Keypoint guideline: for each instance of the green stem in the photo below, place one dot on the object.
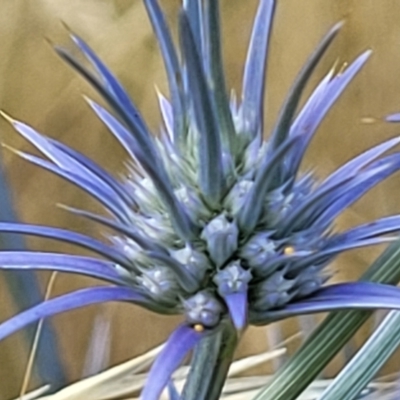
(210, 364)
(327, 340)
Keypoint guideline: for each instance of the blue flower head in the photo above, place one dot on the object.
(211, 221)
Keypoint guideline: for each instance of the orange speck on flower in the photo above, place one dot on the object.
(198, 328)
(288, 250)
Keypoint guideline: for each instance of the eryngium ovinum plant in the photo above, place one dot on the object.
(211, 221)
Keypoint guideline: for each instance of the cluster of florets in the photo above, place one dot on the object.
(212, 221)
(195, 276)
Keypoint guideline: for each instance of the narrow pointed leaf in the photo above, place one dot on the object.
(352, 289)
(237, 304)
(172, 67)
(329, 337)
(159, 177)
(96, 169)
(128, 112)
(110, 82)
(132, 146)
(393, 118)
(312, 114)
(67, 302)
(328, 253)
(376, 228)
(250, 213)
(132, 120)
(66, 236)
(194, 12)
(135, 123)
(282, 128)
(185, 278)
(217, 77)
(32, 260)
(127, 230)
(377, 172)
(361, 295)
(328, 201)
(49, 150)
(211, 177)
(178, 345)
(121, 133)
(252, 108)
(358, 163)
(98, 192)
(167, 116)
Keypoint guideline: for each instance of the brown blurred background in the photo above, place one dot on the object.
(36, 87)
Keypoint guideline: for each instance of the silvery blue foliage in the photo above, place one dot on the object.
(211, 220)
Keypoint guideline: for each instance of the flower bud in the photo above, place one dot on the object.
(156, 228)
(236, 197)
(194, 206)
(232, 279)
(308, 287)
(123, 272)
(204, 309)
(310, 280)
(273, 292)
(277, 206)
(131, 250)
(221, 237)
(160, 283)
(145, 195)
(258, 249)
(232, 283)
(194, 261)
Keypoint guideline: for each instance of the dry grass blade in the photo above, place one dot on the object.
(29, 367)
(35, 394)
(110, 384)
(253, 361)
(98, 352)
(127, 379)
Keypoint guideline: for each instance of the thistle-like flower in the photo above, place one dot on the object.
(211, 221)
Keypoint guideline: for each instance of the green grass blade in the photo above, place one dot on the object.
(367, 362)
(327, 340)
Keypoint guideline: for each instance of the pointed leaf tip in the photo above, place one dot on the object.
(288, 110)
(8, 117)
(255, 68)
(237, 306)
(67, 28)
(12, 149)
(338, 26)
(395, 118)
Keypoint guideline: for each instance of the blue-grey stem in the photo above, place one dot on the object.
(25, 291)
(210, 364)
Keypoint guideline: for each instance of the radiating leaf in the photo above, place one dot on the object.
(329, 337)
